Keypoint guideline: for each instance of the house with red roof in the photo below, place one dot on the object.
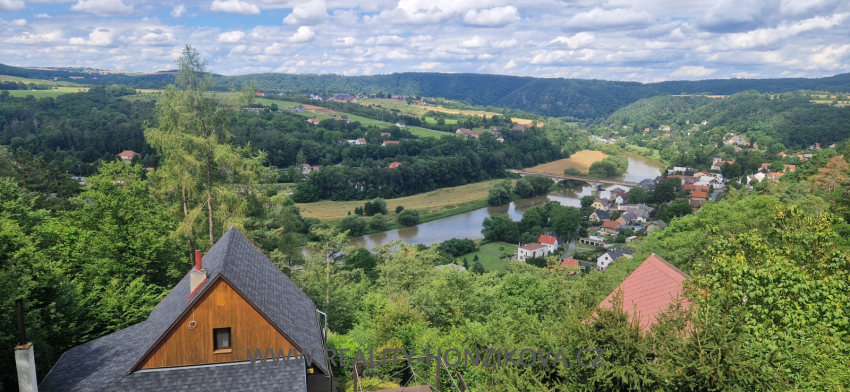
(533, 249)
(570, 262)
(395, 165)
(314, 121)
(699, 195)
(388, 142)
(610, 227)
(127, 156)
(649, 290)
(551, 242)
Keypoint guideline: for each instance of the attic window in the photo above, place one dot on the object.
(221, 340)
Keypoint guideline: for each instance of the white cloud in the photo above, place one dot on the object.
(178, 10)
(808, 8)
(310, 13)
(578, 41)
(493, 17)
(690, 71)
(42, 16)
(11, 5)
(304, 34)
(504, 44)
(231, 37)
(344, 41)
(485, 56)
(35, 39)
(474, 42)
(103, 7)
(769, 36)
(510, 65)
(738, 16)
(746, 75)
(19, 22)
(98, 37)
(614, 19)
(426, 66)
(385, 40)
(235, 7)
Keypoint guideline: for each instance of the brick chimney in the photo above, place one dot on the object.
(24, 355)
(198, 275)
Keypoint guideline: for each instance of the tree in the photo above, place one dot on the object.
(399, 209)
(664, 191)
(833, 176)
(379, 206)
(206, 176)
(408, 217)
(498, 196)
(353, 224)
(565, 220)
(523, 188)
(478, 268)
(776, 167)
(306, 193)
(378, 222)
(637, 195)
(500, 228)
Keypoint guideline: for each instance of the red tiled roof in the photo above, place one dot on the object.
(653, 286)
(696, 194)
(569, 262)
(609, 224)
(128, 153)
(533, 246)
(395, 165)
(547, 239)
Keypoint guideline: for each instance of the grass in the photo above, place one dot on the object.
(580, 160)
(432, 120)
(431, 205)
(428, 133)
(47, 93)
(493, 247)
(282, 104)
(488, 261)
(404, 108)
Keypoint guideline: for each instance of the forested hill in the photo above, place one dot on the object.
(579, 98)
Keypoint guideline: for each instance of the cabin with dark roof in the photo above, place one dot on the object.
(233, 308)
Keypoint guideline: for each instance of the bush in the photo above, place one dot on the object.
(399, 209)
(376, 206)
(456, 247)
(378, 222)
(408, 217)
(354, 224)
(305, 193)
(498, 196)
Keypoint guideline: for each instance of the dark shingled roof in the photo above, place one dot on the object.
(228, 377)
(100, 363)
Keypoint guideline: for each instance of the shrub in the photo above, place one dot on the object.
(354, 224)
(399, 209)
(408, 217)
(378, 222)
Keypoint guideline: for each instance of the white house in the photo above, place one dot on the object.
(603, 261)
(400, 124)
(551, 242)
(533, 249)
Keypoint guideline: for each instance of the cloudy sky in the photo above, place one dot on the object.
(646, 40)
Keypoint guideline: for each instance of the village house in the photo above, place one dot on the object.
(202, 335)
(531, 250)
(313, 121)
(599, 216)
(648, 291)
(520, 127)
(656, 225)
(603, 261)
(551, 242)
(600, 204)
(388, 142)
(619, 197)
(400, 124)
(298, 109)
(306, 168)
(500, 139)
(357, 142)
(699, 195)
(610, 227)
(127, 156)
(395, 165)
(343, 118)
(665, 128)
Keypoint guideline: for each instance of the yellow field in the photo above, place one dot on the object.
(426, 203)
(580, 160)
(420, 110)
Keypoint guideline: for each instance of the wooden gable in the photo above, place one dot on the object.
(220, 306)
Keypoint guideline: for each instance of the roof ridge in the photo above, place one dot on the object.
(672, 267)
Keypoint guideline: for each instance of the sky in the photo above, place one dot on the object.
(646, 41)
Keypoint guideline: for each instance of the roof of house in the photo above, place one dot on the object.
(547, 239)
(98, 364)
(570, 262)
(604, 215)
(395, 165)
(696, 194)
(390, 142)
(234, 376)
(361, 140)
(128, 153)
(615, 254)
(653, 286)
(659, 223)
(532, 246)
(313, 120)
(609, 224)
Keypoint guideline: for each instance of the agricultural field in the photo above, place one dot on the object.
(580, 160)
(280, 104)
(47, 93)
(432, 120)
(421, 132)
(418, 111)
(488, 261)
(438, 202)
(7, 78)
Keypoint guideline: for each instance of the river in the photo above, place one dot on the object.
(468, 225)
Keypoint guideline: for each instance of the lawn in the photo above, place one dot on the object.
(493, 247)
(432, 120)
(428, 133)
(47, 93)
(438, 202)
(7, 78)
(404, 108)
(580, 160)
(282, 104)
(488, 261)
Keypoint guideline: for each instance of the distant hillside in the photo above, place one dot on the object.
(580, 98)
(659, 110)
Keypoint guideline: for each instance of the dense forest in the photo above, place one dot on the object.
(558, 97)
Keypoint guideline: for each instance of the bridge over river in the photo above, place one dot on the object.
(596, 182)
